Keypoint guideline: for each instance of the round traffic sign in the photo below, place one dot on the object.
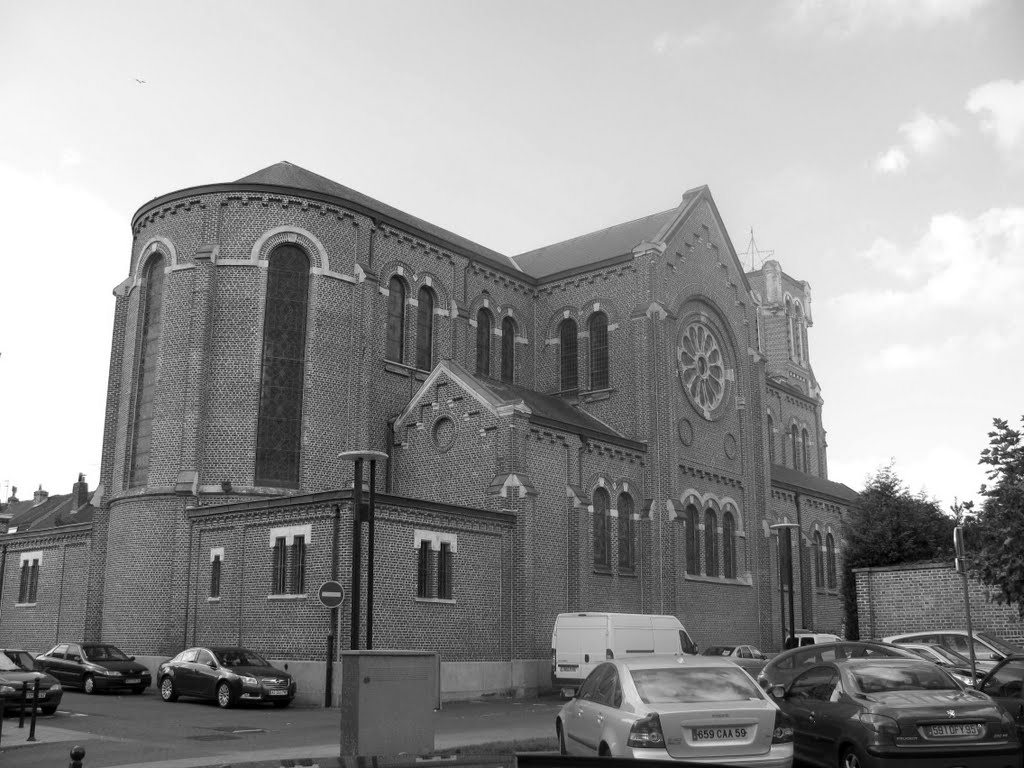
(331, 594)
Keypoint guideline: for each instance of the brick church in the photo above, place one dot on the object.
(610, 423)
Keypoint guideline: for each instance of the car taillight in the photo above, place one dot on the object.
(782, 733)
(646, 732)
(609, 653)
(880, 724)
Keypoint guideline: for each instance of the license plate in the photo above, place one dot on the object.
(719, 734)
(955, 729)
(133, 681)
(568, 667)
(278, 693)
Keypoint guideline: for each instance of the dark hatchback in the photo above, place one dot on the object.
(781, 669)
(95, 667)
(1005, 684)
(17, 668)
(227, 675)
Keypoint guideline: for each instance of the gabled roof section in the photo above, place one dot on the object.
(54, 512)
(593, 248)
(812, 484)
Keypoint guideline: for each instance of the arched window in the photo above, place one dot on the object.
(803, 332)
(395, 350)
(626, 539)
(728, 546)
(804, 450)
(771, 439)
(794, 439)
(710, 548)
(789, 328)
(819, 563)
(798, 338)
(508, 349)
(692, 541)
(145, 370)
(279, 428)
(599, 351)
(484, 325)
(568, 380)
(425, 329)
(830, 555)
(602, 532)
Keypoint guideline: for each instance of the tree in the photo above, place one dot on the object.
(887, 525)
(994, 538)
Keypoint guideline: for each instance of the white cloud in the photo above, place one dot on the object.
(894, 160)
(1000, 105)
(668, 43)
(845, 18)
(925, 133)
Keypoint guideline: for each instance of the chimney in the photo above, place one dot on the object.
(39, 497)
(79, 493)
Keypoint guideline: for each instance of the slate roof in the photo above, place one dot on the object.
(53, 512)
(812, 484)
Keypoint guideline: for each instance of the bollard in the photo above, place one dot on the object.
(21, 708)
(76, 757)
(35, 699)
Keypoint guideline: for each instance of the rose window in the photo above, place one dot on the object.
(702, 368)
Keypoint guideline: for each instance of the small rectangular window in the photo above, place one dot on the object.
(423, 570)
(215, 576)
(280, 566)
(297, 566)
(29, 585)
(444, 572)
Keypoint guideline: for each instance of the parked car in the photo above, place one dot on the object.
(781, 669)
(94, 667)
(14, 674)
(804, 637)
(227, 675)
(746, 656)
(1005, 684)
(952, 662)
(700, 708)
(859, 713)
(987, 647)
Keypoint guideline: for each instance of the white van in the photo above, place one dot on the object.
(581, 641)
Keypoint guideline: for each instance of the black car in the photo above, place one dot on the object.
(1005, 684)
(783, 668)
(16, 669)
(875, 712)
(95, 667)
(227, 675)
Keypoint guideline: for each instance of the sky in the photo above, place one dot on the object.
(874, 148)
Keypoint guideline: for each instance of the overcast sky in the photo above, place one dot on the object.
(877, 148)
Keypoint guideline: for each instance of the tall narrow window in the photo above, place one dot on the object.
(279, 566)
(770, 437)
(508, 349)
(145, 371)
(728, 546)
(803, 333)
(297, 566)
(692, 541)
(569, 379)
(710, 537)
(602, 534)
(599, 351)
(627, 548)
(819, 565)
(789, 328)
(483, 342)
(444, 571)
(795, 445)
(423, 569)
(279, 429)
(28, 588)
(425, 329)
(798, 338)
(215, 564)
(830, 555)
(396, 320)
(804, 451)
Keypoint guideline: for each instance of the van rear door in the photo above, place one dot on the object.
(579, 645)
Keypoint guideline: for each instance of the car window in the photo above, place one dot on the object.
(23, 659)
(204, 657)
(58, 651)
(608, 690)
(1003, 646)
(73, 651)
(696, 684)
(685, 643)
(882, 678)
(745, 653)
(589, 687)
(189, 656)
(806, 641)
(817, 683)
(1006, 681)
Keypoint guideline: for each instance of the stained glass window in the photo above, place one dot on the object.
(483, 342)
(819, 565)
(710, 550)
(396, 320)
(425, 329)
(692, 539)
(794, 444)
(771, 439)
(728, 546)
(602, 534)
(279, 428)
(830, 554)
(804, 450)
(508, 349)
(145, 374)
(599, 351)
(569, 378)
(626, 538)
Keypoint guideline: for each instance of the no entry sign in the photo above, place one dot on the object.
(331, 594)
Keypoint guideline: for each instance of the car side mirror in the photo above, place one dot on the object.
(212, 664)
(131, 658)
(778, 692)
(74, 658)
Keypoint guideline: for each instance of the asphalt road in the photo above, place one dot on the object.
(126, 730)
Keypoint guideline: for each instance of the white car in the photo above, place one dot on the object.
(692, 708)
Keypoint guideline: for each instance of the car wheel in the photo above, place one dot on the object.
(604, 751)
(167, 692)
(282, 704)
(48, 710)
(561, 740)
(89, 685)
(225, 698)
(850, 759)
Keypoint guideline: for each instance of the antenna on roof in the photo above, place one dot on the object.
(756, 257)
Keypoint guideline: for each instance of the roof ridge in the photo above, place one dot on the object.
(596, 232)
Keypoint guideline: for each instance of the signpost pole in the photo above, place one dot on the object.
(331, 595)
(961, 567)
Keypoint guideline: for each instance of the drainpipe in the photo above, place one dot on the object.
(800, 559)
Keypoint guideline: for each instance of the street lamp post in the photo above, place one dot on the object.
(788, 544)
(358, 517)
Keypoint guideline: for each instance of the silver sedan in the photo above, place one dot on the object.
(693, 708)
